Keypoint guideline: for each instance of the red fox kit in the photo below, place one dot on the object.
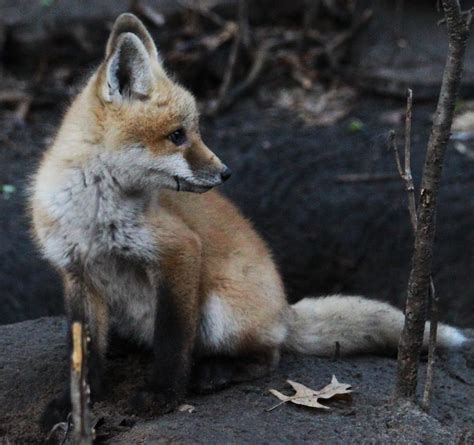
(181, 273)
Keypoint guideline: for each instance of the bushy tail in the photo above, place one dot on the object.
(359, 325)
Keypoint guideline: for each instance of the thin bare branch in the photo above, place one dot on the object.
(405, 172)
(229, 72)
(310, 12)
(392, 145)
(344, 36)
(434, 316)
(204, 12)
(420, 276)
(365, 178)
(147, 11)
(260, 59)
(13, 96)
(24, 104)
(408, 177)
(244, 25)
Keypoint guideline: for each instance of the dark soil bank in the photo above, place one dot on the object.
(329, 233)
(33, 368)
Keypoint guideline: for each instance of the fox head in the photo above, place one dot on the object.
(149, 118)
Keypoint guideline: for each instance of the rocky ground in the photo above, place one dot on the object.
(33, 367)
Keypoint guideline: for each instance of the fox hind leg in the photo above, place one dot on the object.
(238, 341)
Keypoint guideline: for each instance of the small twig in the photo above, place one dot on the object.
(204, 12)
(241, 34)
(24, 105)
(405, 173)
(310, 12)
(408, 177)
(22, 110)
(13, 96)
(68, 428)
(275, 406)
(244, 26)
(261, 57)
(229, 72)
(343, 37)
(366, 177)
(434, 315)
(209, 42)
(392, 145)
(148, 12)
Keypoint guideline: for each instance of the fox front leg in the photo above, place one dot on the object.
(81, 301)
(175, 331)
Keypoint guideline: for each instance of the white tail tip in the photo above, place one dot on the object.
(450, 337)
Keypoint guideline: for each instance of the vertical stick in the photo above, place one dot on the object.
(311, 9)
(418, 284)
(82, 433)
(434, 315)
(244, 25)
(407, 178)
(405, 173)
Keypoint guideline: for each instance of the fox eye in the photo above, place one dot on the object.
(178, 137)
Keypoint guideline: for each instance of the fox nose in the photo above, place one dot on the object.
(226, 174)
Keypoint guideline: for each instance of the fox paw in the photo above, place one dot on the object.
(210, 376)
(152, 403)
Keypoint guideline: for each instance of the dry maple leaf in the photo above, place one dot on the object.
(308, 397)
(186, 408)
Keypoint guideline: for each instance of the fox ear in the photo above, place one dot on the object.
(128, 72)
(130, 23)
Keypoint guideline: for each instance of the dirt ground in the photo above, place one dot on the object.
(33, 367)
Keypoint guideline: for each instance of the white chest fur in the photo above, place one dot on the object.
(92, 213)
(131, 292)
(94, 217)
